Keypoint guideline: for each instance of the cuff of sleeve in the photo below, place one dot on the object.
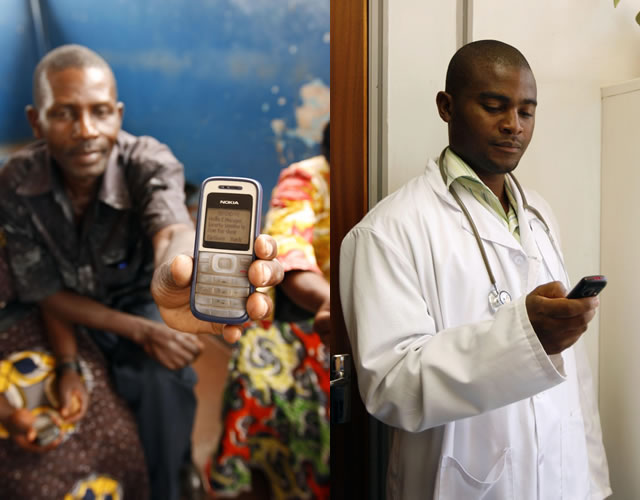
(553, 364)
(601, 494)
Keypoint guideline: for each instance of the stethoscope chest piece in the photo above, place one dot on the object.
(498, 298)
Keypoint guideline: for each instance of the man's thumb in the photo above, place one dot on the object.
(171, 280)
(551, 290)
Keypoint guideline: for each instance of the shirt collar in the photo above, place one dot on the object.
(37, 179)
(455, 167)
(113, 189)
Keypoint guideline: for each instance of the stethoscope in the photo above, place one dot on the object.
(497, 297)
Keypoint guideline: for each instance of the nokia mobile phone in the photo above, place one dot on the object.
(227, 226)
(589, 286)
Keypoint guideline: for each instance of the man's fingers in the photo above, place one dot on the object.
(266, 247)
(27, 444)
(190, 342)
(31, 434)
(265, 273)
(23, 419)
(552, 290)
(570, 308)
(259, 306)
(561, 307)
(79, 408)
(558, 322)
(231, 333)
(160, 355)
(178, 354)
(565, 326)
(65, 403)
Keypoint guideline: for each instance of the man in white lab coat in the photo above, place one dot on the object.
(487, 400)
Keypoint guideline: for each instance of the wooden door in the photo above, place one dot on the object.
(349, 151)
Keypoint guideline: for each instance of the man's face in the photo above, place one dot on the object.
(79, 118)
(491, 119)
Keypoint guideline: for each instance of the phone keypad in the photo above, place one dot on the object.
(222, 285)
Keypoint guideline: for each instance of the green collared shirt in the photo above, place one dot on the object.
(456, 170)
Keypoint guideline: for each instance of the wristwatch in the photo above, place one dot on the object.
(63, 366)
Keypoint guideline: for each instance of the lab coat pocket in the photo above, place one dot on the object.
(456, 483)
(575, 462)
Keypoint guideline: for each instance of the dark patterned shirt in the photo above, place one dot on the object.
(109, 254)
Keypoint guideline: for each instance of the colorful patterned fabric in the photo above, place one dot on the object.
(276, 406)
(27, 380)
(276, 414)
(100, 457)
(298, 216)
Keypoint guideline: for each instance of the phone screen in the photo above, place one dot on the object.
(227, 223)
(227, 226)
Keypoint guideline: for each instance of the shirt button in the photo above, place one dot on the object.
(519, 260)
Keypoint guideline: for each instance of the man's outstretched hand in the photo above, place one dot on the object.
(171, 290)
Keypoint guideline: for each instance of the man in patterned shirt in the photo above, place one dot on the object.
(94, 218)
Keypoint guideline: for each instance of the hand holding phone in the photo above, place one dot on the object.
(589, 286)
(559, 325)
(47, 431)
(227, 227)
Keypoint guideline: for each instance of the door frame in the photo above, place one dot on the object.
(349, 201)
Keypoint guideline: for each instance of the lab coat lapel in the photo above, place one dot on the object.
(527, 239)
(491, 230)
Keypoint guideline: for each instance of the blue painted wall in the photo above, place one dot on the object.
(18, 57)
(234, 87)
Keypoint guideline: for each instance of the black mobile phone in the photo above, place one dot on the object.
(227, 227)
(589, 286)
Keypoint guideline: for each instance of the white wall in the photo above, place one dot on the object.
(421, 38)
(574, 47)
(620, 315)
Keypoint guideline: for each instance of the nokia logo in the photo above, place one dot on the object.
(229, 202)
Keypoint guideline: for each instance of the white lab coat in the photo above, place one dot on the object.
(480, 410)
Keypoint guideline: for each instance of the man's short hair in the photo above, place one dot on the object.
(479, 54)
(63, 57)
